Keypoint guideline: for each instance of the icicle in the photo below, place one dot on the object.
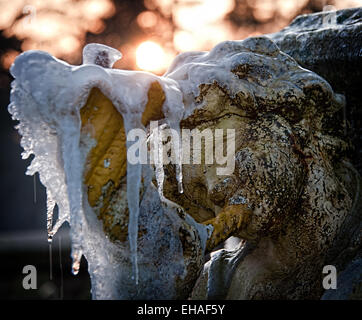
(134, 176)
(57, 225)
(50, 262)
(61, 268)
(173, 109)
(76, 257)
(160, 174)
(34, 186)
(73, 168)
(177, 146)
(50, 211)
(133, 184)
(156, 154)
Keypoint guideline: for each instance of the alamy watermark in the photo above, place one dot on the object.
(29, 13)
(30, 280)
(166, 145)
(330, 16)
(330, 280)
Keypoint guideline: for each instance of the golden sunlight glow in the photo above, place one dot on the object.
(194, 15)
(201, 24)
(58, 26)
(151, 57)
(167, 27)
(185, 41)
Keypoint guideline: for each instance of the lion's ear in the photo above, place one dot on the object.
(317, 90)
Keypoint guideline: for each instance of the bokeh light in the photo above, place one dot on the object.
(147, 19)
(58, 26)
(149, 33)
(150, 57)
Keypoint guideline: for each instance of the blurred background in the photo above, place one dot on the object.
(149, 33)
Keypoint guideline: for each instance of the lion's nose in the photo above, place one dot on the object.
(229, 221)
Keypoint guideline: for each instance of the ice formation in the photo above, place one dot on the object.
(263, 72)
(46, 98)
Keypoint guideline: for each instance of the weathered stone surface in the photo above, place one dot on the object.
(292, 169)
(330, 44)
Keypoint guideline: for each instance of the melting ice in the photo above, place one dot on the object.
(46, 98)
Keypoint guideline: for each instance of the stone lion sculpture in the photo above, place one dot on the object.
(291, 168)
(293, 197)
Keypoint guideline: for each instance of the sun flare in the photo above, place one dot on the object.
(150, 56)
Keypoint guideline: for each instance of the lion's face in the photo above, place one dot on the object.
(274, 106)
(268, 175)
